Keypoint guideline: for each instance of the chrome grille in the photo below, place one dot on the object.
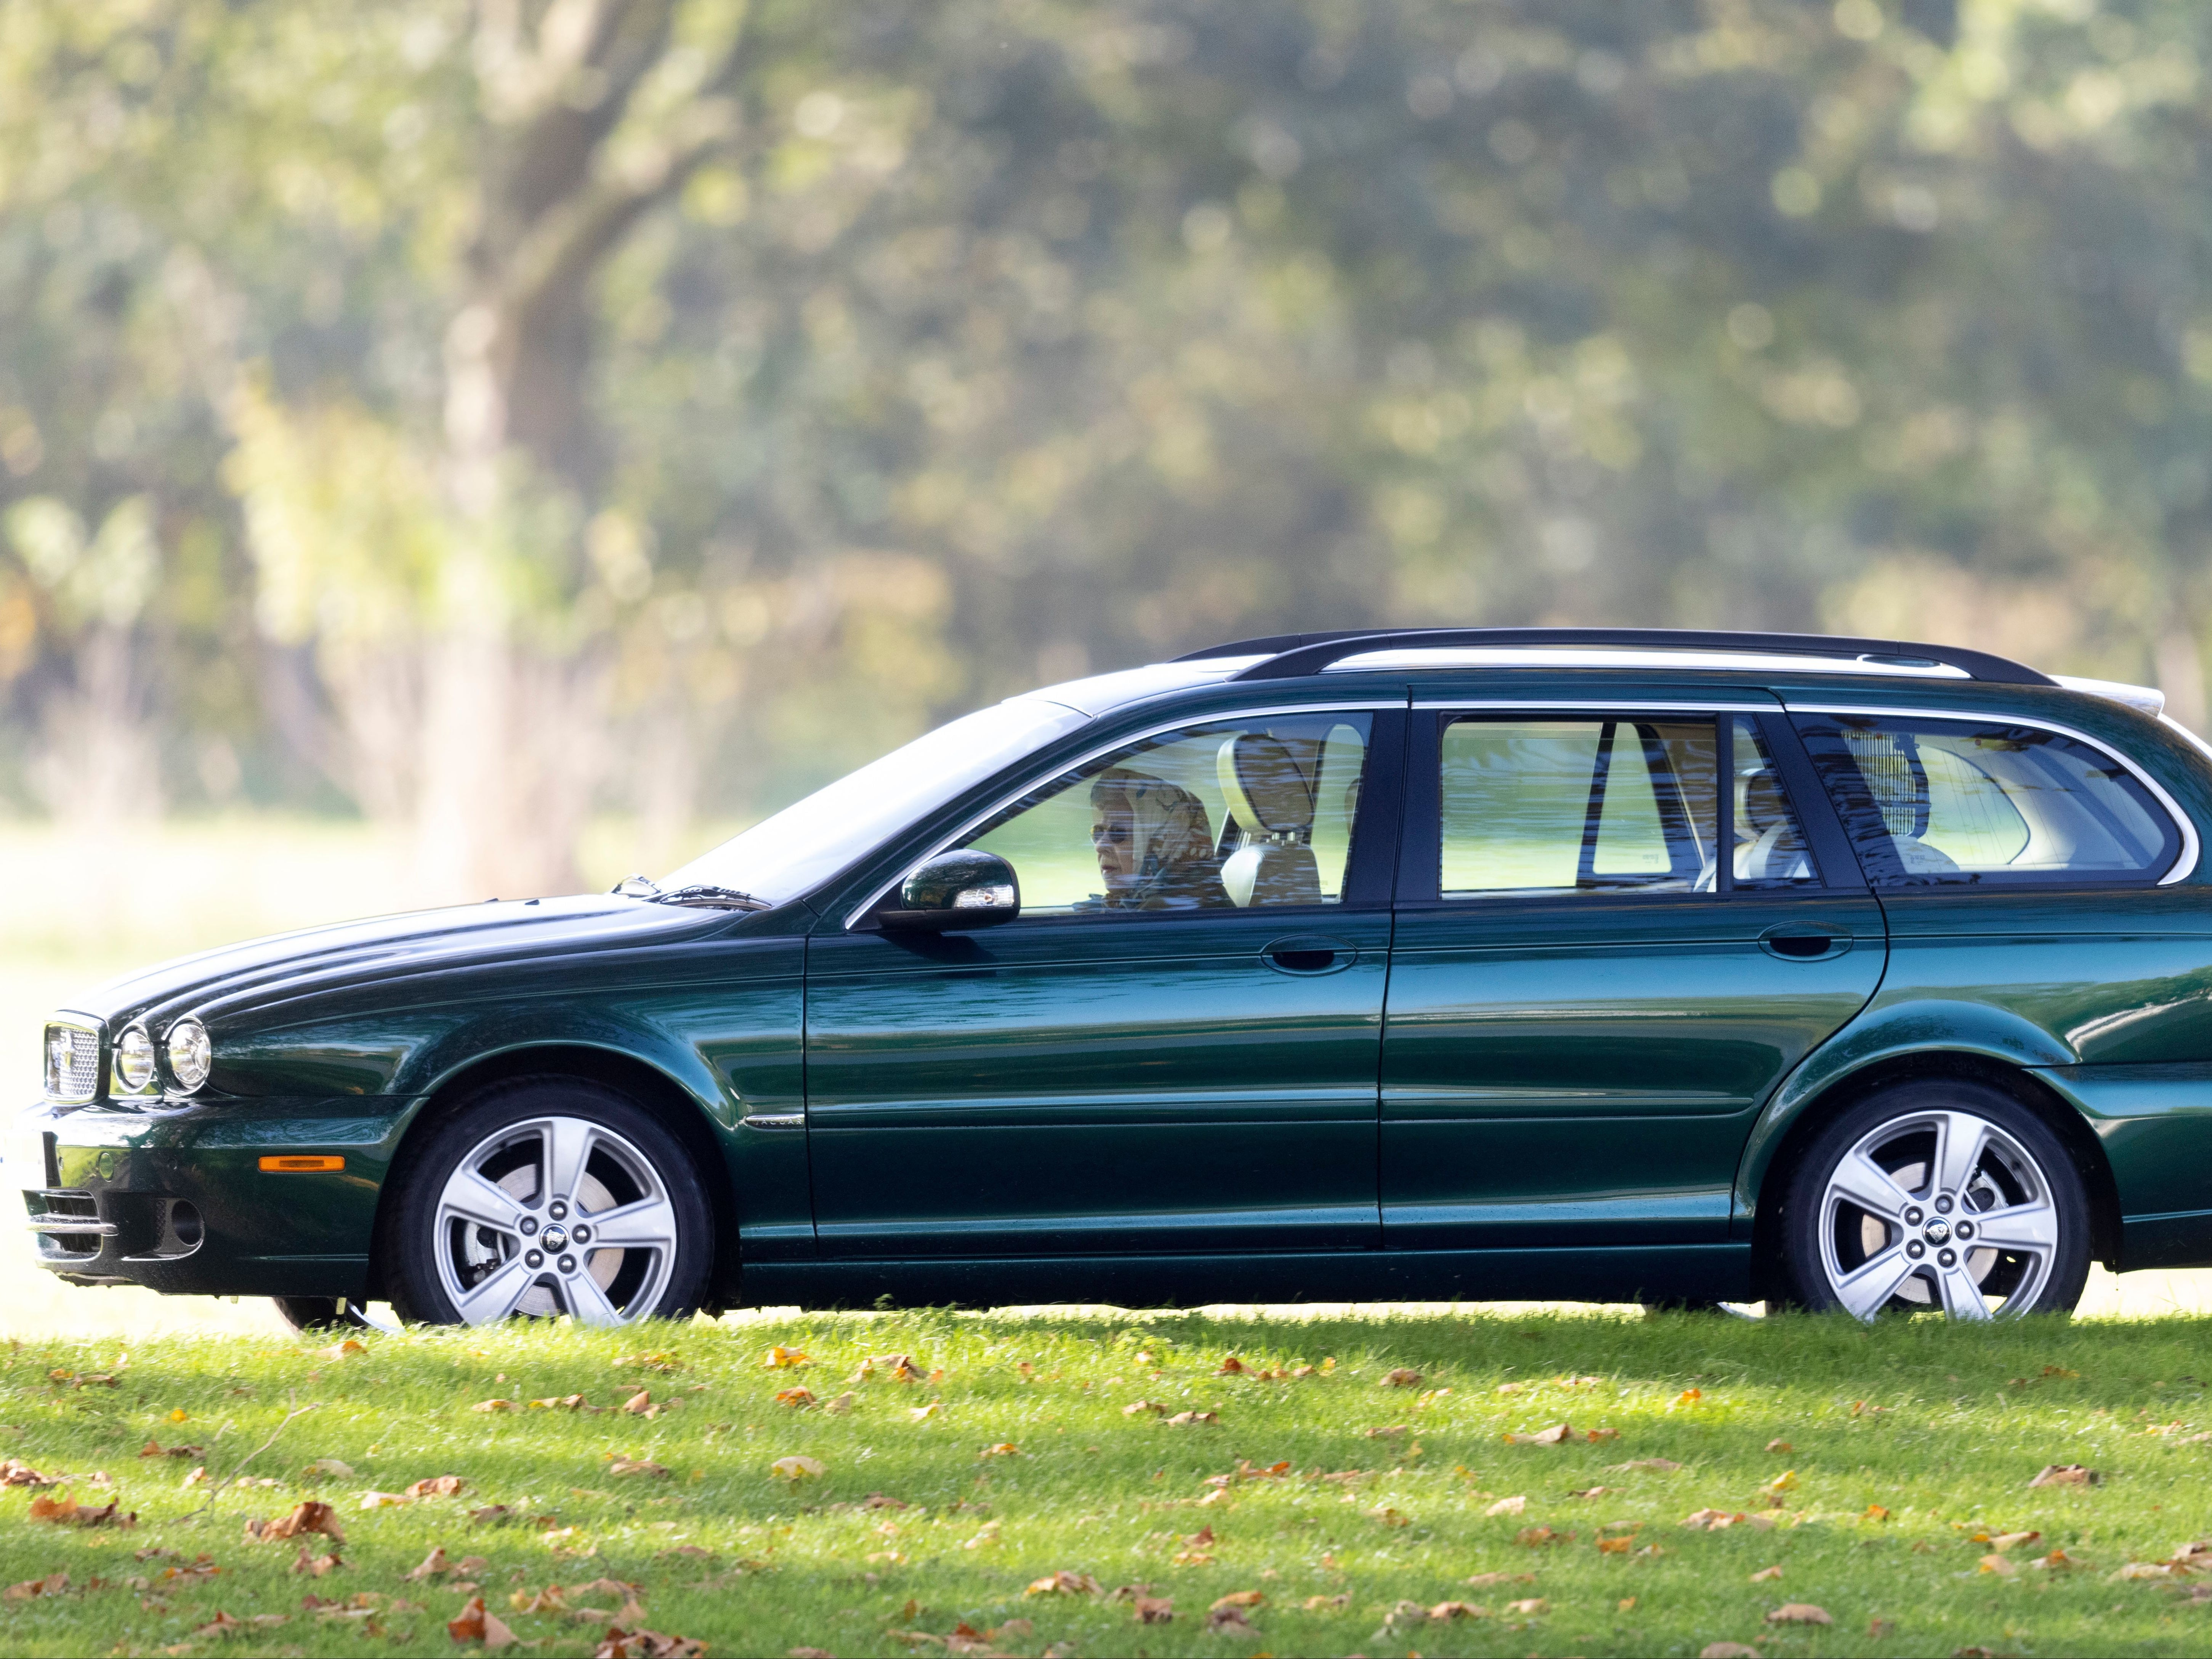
(72, 1062)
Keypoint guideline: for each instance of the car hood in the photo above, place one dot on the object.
(233, 977)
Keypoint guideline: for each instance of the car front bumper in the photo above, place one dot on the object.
(183, 1199)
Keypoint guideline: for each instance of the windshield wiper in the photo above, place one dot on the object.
(704, 895)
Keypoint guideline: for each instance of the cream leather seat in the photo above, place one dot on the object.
(1273, 801)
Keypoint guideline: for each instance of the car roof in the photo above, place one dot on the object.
(1671, 651)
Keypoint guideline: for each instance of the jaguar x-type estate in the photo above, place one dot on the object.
(1483, 963)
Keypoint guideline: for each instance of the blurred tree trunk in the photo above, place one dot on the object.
(593, 113)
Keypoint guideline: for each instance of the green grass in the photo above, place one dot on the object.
(1966, 1419)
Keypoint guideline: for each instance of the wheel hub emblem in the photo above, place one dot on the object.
(556, 1236)
(1938, 1231)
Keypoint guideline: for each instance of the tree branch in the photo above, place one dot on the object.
(231, 1480)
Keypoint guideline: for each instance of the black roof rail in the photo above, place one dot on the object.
(1291, 655)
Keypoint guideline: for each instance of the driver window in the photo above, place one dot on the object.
(1230, 815)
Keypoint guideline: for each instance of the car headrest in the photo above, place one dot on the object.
(1759, 803)
(1266, 791)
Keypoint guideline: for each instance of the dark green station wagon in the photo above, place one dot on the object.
(1483, 963)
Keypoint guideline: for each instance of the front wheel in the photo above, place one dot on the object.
(1938, 1197)
(547, 1196)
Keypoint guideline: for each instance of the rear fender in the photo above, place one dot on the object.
(1935, 1028)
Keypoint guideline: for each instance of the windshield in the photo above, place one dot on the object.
(809, 841)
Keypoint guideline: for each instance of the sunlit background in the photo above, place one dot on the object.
(452, 449)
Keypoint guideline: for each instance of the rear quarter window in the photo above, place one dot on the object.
(1936, 802)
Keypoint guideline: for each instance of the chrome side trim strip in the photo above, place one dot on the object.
(2191, 845)
(775, 1121)
(854, 917)
(73, 1225)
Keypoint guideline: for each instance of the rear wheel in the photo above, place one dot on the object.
(1938, 1197)
(548, 1196)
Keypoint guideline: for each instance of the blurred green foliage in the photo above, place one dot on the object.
(922, 350)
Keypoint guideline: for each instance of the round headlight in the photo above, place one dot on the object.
(191, 1056)
(134, 1059)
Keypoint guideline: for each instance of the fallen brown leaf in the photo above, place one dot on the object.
(1767, 1574)
(626, 1465)
(488, 1514)
(313, 1516)
(13, 1473)
(344, 1350)
(475, 1623)
(316, 1566)
(61, 1512)
(782, 1358)
(1780, 1446)
(1390, 1433)
(1064, 1583)
(1512, 1505)
(1194, 1420)
(1538, 1537)
(1662, 1465)
(52, 1584)
(438, 1486)
(1485, 1580)
(493, 1406)
(1799, 1612)
(1558, 1435)
(1529, 1607)
(1458, 1610)
(797, 1399)
(1228, 1621)
(1151, 1406)
(1403, 1378)
(1728, 1651)
(2066, 1475)
(1154, 1609)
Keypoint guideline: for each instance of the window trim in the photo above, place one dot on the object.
(859, 914)
(2184, 863)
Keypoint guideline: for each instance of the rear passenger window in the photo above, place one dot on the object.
(1578, 805)
(1932, 802)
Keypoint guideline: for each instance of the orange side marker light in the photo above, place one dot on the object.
(294, 1163)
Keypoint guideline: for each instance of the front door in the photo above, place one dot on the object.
(1613, 940)
(1175, 1046)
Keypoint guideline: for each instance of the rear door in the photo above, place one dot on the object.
(1618, 929)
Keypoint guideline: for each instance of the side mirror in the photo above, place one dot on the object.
(955, 891)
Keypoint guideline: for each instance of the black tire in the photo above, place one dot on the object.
(638, 1164)
(2023, 1180)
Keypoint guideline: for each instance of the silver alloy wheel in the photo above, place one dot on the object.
(556, 1215)
(1938, 1211)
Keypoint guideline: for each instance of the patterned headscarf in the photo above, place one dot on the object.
(1171, 842)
